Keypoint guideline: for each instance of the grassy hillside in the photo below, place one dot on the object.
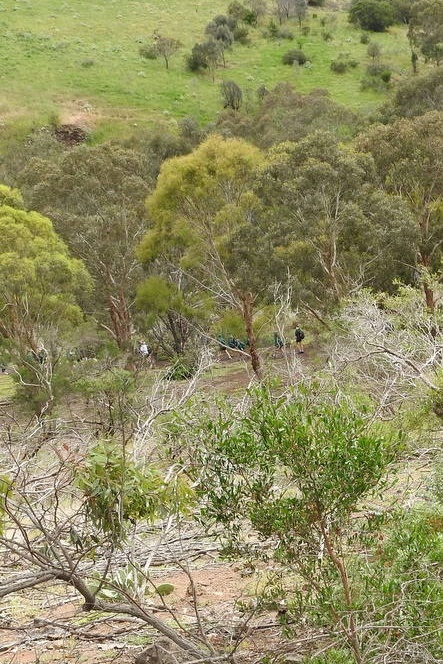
(79, 59)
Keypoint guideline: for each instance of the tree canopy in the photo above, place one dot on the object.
(40, 283)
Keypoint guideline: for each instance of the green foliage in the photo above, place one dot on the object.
(374, 15)
(148, 52)
(183, 367)
(39, 280)
(327, 454)
(294, 56)
(111, 393)
(416, 96)
(403, 583)
(339, 66)
(426, 28)
(172, 312)
(332, 656)
(11, 197)
(294, 467)
(165, 589)
(232, 95)
(408, 159)
(117, 492)
(326, 172)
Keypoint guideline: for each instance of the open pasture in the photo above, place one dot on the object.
(78, 61)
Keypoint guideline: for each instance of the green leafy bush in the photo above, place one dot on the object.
(294, 56)
(339, 66)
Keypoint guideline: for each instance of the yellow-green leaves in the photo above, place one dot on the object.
(198, 198)
(39, 280)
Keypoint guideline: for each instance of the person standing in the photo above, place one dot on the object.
(299, 336)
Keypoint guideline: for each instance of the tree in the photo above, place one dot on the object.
(416, 96)
(300, 10)
(40, 287)
(375, 15)
(408, 157)
(201, 206)
(402, 10)
(174, 310)
(161, 47)
(294, 467)
(95, 197)
(426, 28)
(283, 9)
(205, 56)
(330, 224)
(232, 95)
(389, 346)
(373, 51)
(284, 114)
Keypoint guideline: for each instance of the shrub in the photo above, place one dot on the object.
(338, 66)
(231, 94)
(326, 35)
(87, 63)
(305, 30)
(272, 30)
(241, 34)
(294, 56)
(373, 51)
(364, 38)
(242, 13)
(284, 33)
(375, 69)
(196, 60)
(386, 76)
(148, 52)
(221, 19)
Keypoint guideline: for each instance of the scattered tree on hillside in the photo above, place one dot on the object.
(161, 47)
(300, 10)
(232, 95)
(373, 51)
(375, 15)
(416, 97)
(206, 56)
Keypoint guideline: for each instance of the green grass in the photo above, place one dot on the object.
(45, 45)
(6, 386)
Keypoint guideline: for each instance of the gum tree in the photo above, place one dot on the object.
(202, 220)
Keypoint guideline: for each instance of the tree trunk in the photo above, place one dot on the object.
(428, 290)
(247, 313)
(121, 319)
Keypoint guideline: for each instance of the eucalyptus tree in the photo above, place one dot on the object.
(330, 224)
(95, 197)
(40, 287)
(408, 158)
(203, 218)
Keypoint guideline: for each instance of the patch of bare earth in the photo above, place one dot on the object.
(52, 627)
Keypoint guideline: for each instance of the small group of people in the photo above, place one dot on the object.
(299, 336)
(231, 342)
